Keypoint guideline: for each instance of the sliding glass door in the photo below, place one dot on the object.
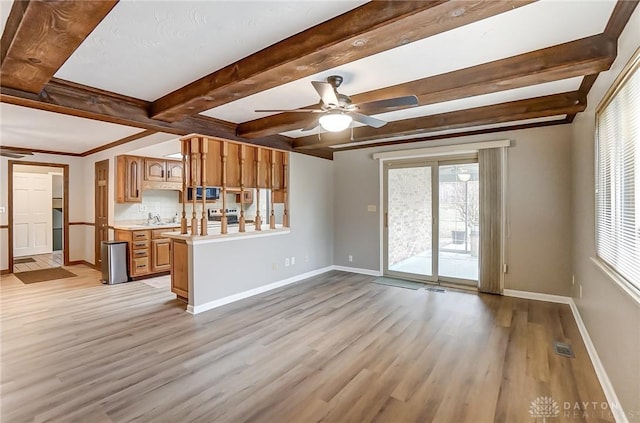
(409, 217)
(431, 223)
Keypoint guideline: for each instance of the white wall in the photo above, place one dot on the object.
(538, 205)
(236, 266)
(611, 316)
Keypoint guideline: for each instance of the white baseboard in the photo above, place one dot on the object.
(259, 290)
(605, 383)
(537, 296)
(357, 270)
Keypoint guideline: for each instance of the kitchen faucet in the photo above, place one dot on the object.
(154, 217)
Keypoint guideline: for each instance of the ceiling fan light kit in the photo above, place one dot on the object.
(335, 121)
(338, 112)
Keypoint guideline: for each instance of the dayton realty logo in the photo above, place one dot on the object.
(544, 407)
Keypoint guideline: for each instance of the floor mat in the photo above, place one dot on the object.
(42, 275)
(23, 260)
(399, 283)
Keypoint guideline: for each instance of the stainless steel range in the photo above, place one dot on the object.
(215, 215)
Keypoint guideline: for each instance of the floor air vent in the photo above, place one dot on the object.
(563, 349)
(434, 289)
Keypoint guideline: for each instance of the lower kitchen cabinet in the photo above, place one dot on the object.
(180, 269)
(149, 252)
(161, 255)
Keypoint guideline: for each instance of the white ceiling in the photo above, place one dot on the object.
(146, 49)
(38, 129)
(535, 26)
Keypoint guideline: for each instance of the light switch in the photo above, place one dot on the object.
(371, 208)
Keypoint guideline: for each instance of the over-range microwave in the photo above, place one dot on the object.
(211, 193)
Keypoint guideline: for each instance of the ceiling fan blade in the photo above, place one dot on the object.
(327, 93)
(311, 126)
(367, 120)
(289, 111)
(389, 103)
(11, 155)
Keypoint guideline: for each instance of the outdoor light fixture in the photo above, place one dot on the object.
(335, 121)
(464, 177)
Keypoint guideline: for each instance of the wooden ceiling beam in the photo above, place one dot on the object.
(41, 35)
(369, 29)
(576, 58)
(77, 100)
(550, 105)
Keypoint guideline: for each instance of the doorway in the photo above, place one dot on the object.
(101, 208)
(38, 235)
(431, 228)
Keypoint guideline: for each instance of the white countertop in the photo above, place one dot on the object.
(128, 226)
(232, 235)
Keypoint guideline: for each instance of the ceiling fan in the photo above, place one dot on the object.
(338, 111)
(14, 153)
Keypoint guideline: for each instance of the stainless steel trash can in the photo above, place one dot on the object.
(114, 262)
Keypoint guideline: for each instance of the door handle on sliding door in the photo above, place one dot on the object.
(386, 219)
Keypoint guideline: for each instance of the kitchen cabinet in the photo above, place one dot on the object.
(160, 251)
(233, 165)
(128, 179)
(149, 251)
(175, 170)
(137, 174)
(157, 170)
(180, 269)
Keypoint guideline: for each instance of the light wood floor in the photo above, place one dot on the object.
(42, 261)
(335, 349)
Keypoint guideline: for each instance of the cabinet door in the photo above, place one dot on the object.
(154, 170)
(179, 269)
(133, 180)
(174, 171)
(160, 255)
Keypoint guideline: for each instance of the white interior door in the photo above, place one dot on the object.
(32, 214)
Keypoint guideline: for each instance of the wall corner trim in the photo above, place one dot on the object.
(605, 383)
(603, 378)
(191, 309)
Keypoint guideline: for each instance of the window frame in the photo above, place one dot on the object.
(630, 69)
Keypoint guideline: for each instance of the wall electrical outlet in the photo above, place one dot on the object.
(306, 258)
(350, 258)
(3, 210)
(371, 208)
(286, 262)
(142, 207)
(293, 261)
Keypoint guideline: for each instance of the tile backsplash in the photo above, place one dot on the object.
(167, 204)
(164, 202)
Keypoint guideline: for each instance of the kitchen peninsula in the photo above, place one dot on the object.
(231, 167)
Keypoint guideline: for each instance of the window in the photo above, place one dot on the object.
(618, 176)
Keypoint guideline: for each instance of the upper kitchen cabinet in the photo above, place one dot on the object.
(137, 174)
(248, 165)
(233, 164)
(128, 179)
(158, 170)
(263, 167)
(175, 170)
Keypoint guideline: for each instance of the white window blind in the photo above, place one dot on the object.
(618, 178)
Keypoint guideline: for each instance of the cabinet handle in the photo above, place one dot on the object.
(140, 266)
(162, 173)
(168, 174)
